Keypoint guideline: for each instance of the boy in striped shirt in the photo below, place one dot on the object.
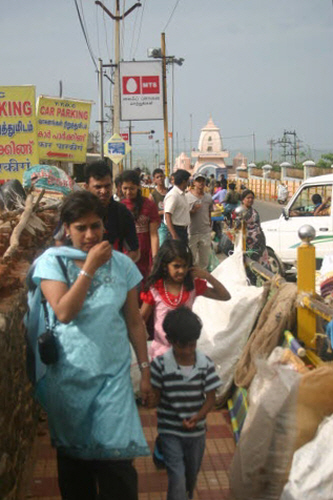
(185, 382)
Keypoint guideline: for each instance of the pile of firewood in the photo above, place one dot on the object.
(24, 232)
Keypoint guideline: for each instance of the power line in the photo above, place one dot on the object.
(131, 52)
(98, 45)
(85, 35)
(106, 36)
(137, 43)
(238, 136)
(172, 13)
(83, 18)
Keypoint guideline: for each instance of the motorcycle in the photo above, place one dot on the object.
(282, 194)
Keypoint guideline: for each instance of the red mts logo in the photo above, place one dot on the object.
(150, 85)
(141, 85)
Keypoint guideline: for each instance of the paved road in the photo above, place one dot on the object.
(268, 210)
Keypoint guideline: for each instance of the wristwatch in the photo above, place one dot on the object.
(143, 365)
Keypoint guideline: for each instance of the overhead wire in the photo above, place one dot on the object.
(93, 58)
(97, 28)
(238, 136)
(140, 27)
(131, 52)
(106, 36)
(171, 16)
(109, 46)
(83, 18)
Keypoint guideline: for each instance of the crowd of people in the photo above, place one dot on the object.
(125, 258)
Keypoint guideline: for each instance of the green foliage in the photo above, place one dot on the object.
(260, 164)
(326, 160)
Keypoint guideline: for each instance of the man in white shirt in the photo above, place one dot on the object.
(176, 207)
(201, 205)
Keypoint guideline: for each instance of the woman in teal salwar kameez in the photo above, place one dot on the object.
(93, 419)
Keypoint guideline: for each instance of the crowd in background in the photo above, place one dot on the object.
(125, 264)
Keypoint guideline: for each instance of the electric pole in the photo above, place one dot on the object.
(165, 109)
(101, 107)
(271, 143)
(190, 136)
(254, 146)
(116, 91)
(130, 143)
(285, 142)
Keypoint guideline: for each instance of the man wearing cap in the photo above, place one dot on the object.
(201, 205)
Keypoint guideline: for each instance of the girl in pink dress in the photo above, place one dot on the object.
(146, 218)
(172, 283)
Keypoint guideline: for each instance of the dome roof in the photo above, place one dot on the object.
(210, 125)
(210, 138)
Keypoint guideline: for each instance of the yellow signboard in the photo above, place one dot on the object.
(18, 135)
(63, 128)
(116, 148)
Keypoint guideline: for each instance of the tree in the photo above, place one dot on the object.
(326, 160)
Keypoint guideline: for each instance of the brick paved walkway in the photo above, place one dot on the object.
(213, 480)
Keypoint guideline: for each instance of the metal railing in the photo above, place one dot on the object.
(309, 305)
(266, 189)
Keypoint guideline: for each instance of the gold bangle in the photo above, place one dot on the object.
(84, 273)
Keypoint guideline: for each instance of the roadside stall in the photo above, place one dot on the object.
(282, 391)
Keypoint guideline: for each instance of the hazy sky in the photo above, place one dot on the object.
(255, 65)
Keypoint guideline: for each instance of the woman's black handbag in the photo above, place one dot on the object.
(47, 341)
(47, 347)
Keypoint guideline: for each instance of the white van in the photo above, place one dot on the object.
(282, 234)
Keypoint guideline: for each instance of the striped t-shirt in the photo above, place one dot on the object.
(182, 396)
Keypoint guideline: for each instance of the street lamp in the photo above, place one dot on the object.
(156, 53)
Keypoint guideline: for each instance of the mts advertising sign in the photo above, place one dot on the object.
(141, 90)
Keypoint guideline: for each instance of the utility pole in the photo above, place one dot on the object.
(160, 54)
(190, 136)
(116, 88)
(116, 91)
(130, 143)
(101, 107)
(254, 146)
(173, 119)
(285, 142)
(271, 143)
(177, 144)
(165, 108)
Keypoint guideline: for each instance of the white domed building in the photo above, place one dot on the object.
(210, 156)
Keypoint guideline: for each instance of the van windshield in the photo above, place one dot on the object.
(312, 200)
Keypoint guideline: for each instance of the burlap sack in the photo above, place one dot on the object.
(279, 314)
